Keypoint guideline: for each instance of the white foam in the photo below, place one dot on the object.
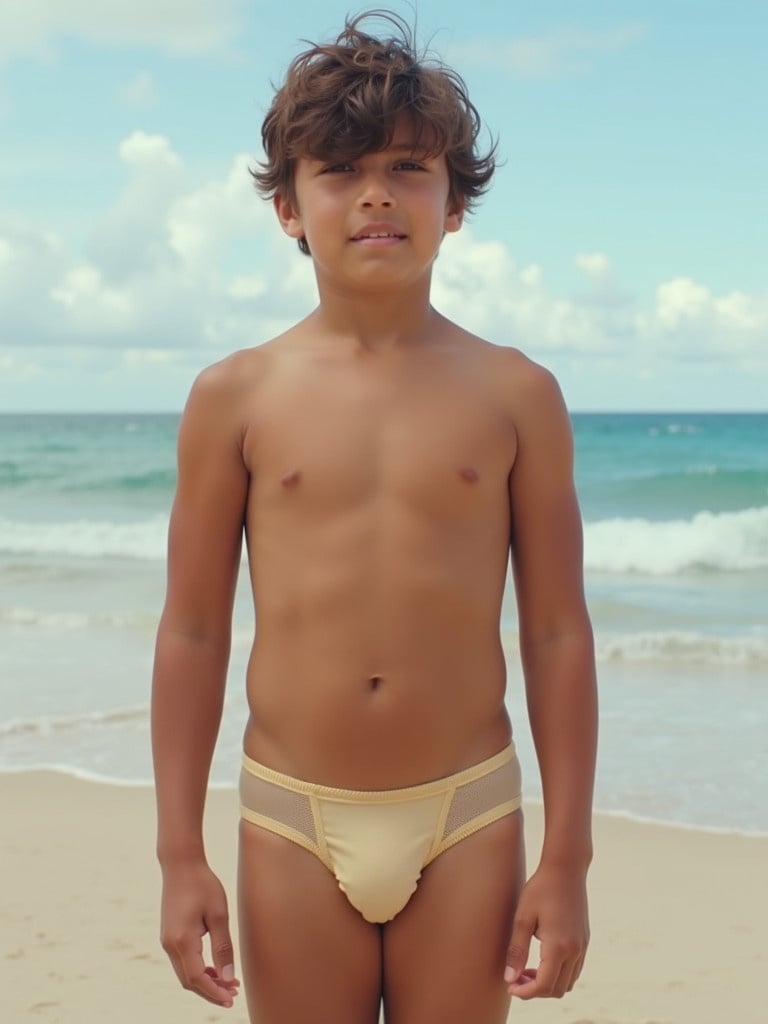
(674, 646)
(45, 726)
(671, 823)
(86, 538)
(682, 648)
(84, 775)
(23, 616)
(724, 541)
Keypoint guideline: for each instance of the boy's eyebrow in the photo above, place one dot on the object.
(414, 147)
(417, 146)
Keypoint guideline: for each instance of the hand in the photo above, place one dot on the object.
(193, 904)
(552, 907)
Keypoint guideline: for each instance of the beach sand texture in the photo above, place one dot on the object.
(679, 917)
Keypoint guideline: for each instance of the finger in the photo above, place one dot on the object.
(524, 978)
(222, 952)
(196, 978)
(569, 972)
(564, 982)
(230, 985)
(577, 969)
(208, 988)
(518, 949)
(226, 980)
(541, 985)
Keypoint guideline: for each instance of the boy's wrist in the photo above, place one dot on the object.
(569, 858)
(173, 854)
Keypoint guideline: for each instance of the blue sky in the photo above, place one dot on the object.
(624, 243)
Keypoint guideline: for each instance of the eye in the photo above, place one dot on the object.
(409, 165)
(339, 168)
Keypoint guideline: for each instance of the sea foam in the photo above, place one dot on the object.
(724, 542)
(85, 538)
(683, 648)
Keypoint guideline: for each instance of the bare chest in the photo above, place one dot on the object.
(434, 443)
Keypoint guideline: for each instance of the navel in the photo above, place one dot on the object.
(291, 478)
(375, 682)
(469, 473)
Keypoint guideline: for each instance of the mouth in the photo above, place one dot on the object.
(369, 235)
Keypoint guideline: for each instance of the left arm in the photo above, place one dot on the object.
(558, 661)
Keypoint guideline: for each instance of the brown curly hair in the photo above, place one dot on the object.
(341, 100)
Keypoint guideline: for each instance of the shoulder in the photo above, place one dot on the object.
(510, 365)
(222, 399)
(531, 399)
(232, 376)
(232, 385)
(525, 388)
(520, 375)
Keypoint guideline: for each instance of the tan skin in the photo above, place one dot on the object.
(381, 461)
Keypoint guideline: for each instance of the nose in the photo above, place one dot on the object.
(375, 191)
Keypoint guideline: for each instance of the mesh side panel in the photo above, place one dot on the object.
(485, 793)
(291, 809)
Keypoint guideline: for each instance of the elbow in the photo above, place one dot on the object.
(196, 634)
(573, 631)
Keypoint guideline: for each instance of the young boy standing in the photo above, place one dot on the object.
(382, 462)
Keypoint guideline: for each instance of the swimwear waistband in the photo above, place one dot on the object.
(424, 789)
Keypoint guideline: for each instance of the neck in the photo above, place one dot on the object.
(375, 321)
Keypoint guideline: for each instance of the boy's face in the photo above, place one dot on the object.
(377, 220)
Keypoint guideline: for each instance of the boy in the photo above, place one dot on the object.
(381, 461)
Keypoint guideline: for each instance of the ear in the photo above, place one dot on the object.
(454, 216)
(288, 214)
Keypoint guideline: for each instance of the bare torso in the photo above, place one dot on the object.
(378, 531)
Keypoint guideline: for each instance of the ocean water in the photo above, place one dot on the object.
(675, 509)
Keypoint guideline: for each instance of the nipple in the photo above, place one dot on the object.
(290, 478)
(470, 474)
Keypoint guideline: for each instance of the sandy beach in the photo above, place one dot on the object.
(679, 917)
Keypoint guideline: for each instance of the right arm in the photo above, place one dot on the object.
(191, 658)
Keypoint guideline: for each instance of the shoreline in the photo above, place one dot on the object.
(82, 775)
(678, 915)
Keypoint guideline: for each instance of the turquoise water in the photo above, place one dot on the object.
(675, 510)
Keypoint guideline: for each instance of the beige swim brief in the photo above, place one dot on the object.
(377, 842)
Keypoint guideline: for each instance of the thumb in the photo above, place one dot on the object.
(221, 947)
(519, 947)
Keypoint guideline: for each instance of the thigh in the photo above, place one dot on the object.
(307, 955)
(444, 954)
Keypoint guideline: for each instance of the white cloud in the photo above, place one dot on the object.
(551, 54)
(32, 27)
(479, 284)
(679, 301)
(152, 151)
(742, 311)
(130, 239)
(595, 265)
(180, 267)
(203, 222)
(33, 259)
(532, 275)
(140, 91)
(18, 368)
(94, 307)
(149, 358)
(689, 319)
(246, 286)
(169, 266)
